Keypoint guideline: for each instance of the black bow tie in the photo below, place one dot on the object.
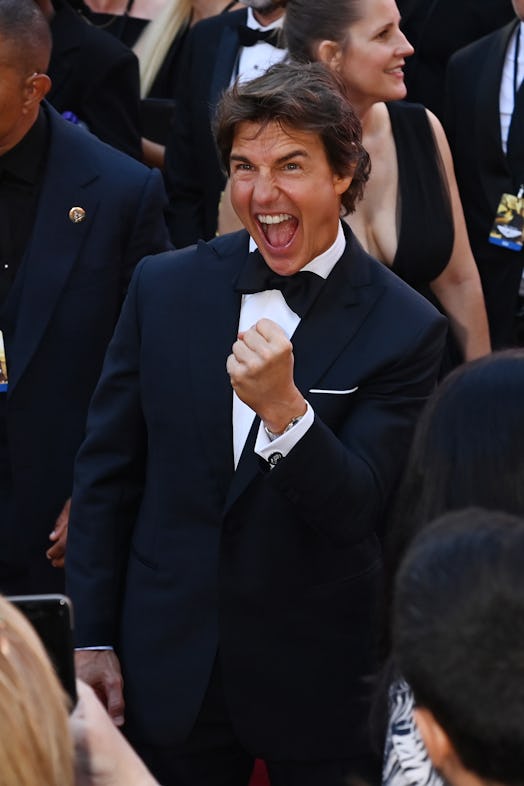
(249, 37)
(300, 290)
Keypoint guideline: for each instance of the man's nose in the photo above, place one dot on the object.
(265, 189)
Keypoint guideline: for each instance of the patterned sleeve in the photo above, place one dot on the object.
(406, 761)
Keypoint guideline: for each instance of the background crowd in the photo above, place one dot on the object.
(368, 456)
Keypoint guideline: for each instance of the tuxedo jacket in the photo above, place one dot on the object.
(482, 169)
(64, 305)
(437, 29)
(193, 175)
(175, 555)
(96, 77)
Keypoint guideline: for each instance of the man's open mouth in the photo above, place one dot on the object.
(278, 229)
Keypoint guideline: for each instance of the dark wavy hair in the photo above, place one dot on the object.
(305, 97)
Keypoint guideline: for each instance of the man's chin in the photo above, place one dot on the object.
(264, 6)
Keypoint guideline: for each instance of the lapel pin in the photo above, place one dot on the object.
(77, 214)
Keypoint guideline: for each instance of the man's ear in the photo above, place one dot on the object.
(437, 742)
(37, 87)
(329, 53)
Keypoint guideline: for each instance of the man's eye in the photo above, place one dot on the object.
(291, 166)
(242, 167)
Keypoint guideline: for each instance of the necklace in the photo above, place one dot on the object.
(111, 20)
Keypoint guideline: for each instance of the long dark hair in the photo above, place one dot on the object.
(467, 450)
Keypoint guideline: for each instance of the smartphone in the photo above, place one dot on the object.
(52, 618)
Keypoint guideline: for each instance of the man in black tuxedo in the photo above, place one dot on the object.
(437, 28)
(75, 218)
(218, 51)
(243, 444)
(485, 127)
(94, 78)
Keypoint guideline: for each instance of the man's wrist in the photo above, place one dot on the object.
(284, 418)
(293, 422)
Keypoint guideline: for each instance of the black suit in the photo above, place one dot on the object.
(194, 179)
(173, 554)
(96, 77)
(63, 307)
(483, 171)
(437, 28)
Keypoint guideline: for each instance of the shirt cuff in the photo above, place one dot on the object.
(284, 444)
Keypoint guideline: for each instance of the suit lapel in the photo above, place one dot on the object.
(214, 330)
(487, 114)
(342, 306)
(54, 245)
(227, 53)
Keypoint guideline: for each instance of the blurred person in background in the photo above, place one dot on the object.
(76, 216)
(467, 450)
(458, 637)
(484, 122)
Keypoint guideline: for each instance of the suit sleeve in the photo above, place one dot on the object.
(341, 480)
(149, 234)
(109, 478)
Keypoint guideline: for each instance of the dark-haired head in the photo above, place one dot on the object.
(468, 447)
(306, 98)
(309, 22)
(458, 638)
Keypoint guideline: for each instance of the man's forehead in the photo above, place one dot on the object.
(272, 135)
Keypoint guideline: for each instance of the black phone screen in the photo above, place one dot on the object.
(52, 618)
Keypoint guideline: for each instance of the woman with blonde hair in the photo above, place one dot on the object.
(40, 744)
(160, 51)
(35, 742)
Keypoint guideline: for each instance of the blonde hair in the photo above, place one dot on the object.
(35, 743)
(153, 45)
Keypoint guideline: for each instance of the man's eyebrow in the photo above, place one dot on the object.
(282, 160)
(293, 154)
(237, 157)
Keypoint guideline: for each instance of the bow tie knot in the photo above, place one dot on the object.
(299, 290)
(248, 36)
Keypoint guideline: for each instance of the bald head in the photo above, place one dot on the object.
(25, 49)
(25, 36)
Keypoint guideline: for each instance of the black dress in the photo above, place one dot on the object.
(426, 232)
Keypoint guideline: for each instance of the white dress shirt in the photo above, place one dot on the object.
(272, 305)
(507, 87)
(254, 60)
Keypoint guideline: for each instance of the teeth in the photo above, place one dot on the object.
(274, 219)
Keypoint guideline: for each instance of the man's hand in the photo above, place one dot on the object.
(57, 552)
(101, 670)
(103, 757)
(261, 372)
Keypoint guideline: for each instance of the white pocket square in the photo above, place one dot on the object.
(334, 392)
